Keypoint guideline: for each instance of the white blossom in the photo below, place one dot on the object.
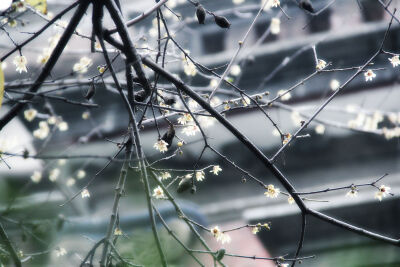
(216, 169)
(85, 193)
(53, 175)
(275, 26)
(36, 176)
(158, 192)
(20, 63)
(30, 114)
(369, 75)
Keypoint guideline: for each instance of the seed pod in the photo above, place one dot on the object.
(184, 185)
(90, 92)
(169, 101)
(306, 5)
(140, 96)
(200, 14)
(220, 254)
(168, 137)
(222, 21)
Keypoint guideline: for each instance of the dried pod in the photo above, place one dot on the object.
(222, 21)
(184, 185)
(90, 92)
(168, 137)
(306, 5)
(200, 14)
(220, 254)
(169, 101)
(140, 96)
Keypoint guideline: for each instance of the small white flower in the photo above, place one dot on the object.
(216, 169)
(118, 231)
(43, 130)
(255, 230)
(320, 129)
(321, 64)
(83, 65)
(30, 114)
(206, 121)
(190, 130)
(334, 84)
(52, 120)
(275, 26)
(185, 118)
(44, 57)
(272, 192)
(20, 63)
(235, 70)
(246, 101)
(352, 193)
(158, 192)
(213, 83)
(60, 251)
(80, 174)
(70, 182)
(85, 193)
(219, 235)
(200, 176)
(286, 138)
(36, 177)
(383, 191)
(61, 162)
(19, 6)
(369, 75)
(189, 68)
(161, 146)
(53, 175)
(62, 126)
(395, 61)
(165, 175)
(271, 3)
(85, 115)
(284, 95)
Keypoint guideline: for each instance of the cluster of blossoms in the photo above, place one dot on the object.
(44, 57)
(383, 191)
(272, 191)
(219, 235)
(321, 64)
(60, 251)
(43, 131)
(365, 122)
(259, 226)
(83, 65)
(165, 175)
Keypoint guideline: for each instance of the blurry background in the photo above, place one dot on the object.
(344, 34)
